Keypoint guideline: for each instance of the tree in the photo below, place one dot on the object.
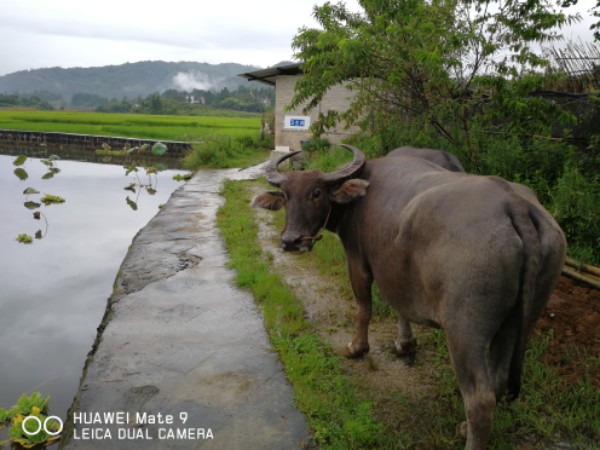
(153, 104)
(458, 66)
(596, 26)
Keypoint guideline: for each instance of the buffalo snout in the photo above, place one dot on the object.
(295, 242)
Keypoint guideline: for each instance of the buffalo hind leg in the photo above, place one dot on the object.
(469, 359)
(405, 345)
(502, 356)
(361, 281)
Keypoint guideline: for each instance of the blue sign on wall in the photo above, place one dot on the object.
(297, 122)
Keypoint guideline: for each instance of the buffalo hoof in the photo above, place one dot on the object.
(461, 430)
(356, 351)
(406, 350)
(407, 347)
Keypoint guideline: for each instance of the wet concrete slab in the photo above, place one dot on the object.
(182, 360)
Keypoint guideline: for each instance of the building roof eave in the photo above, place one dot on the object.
(268, 76)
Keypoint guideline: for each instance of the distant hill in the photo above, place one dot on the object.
(127, 80)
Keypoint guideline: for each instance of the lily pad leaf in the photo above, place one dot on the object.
(32, 205)
(20, 160)
(21, 174)
(48, 175)
(30, 191)
(159, 149)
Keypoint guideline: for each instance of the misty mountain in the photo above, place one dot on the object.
(126, 80)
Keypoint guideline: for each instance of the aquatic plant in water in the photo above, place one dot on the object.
(47, 199)
(29, 432)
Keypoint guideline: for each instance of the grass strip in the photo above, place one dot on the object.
(339, 419)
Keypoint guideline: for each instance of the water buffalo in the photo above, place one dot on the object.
(446, 160)
(474, 255)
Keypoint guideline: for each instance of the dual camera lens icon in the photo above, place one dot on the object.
(42, 425)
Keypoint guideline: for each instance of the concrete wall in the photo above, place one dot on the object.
(87, 141)
(82, 147)
(338, 98)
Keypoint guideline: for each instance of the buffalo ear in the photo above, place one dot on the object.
(269, 200)
(350, 191)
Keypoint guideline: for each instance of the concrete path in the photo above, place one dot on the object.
(183, 360)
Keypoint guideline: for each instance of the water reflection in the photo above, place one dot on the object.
(53, 293)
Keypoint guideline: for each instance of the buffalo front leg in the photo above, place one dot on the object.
(362, 281)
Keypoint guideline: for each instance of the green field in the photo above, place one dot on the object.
(176, 128)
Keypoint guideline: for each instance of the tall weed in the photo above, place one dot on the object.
(575, 201)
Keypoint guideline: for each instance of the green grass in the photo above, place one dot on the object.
(341, 410)
(226, 151)
(177, 128)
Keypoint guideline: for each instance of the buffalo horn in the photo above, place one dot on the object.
(273, 177)
(349, 171)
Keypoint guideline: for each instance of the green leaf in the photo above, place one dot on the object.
(24, 238)
(20, 160)
(30, 191)
(32, 205)
(159, 149)
(21, 174)
(131, 168)
(132, 204)
(49, 199)
(160, 166)
(4, 416)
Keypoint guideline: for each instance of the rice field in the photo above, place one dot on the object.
(176, 128)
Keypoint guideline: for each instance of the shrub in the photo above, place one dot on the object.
(223, 151)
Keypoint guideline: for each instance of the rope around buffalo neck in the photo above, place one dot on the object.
(319, 234)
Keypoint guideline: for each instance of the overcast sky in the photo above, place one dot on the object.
(84, 33)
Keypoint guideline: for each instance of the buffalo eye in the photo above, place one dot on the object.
(316, 194)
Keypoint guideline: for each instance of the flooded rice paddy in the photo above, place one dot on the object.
(53, 291)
